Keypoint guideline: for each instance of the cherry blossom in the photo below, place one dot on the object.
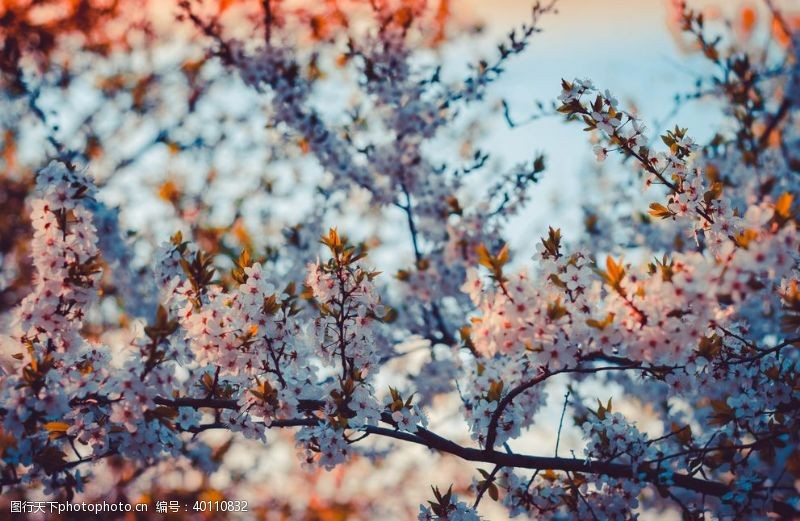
(644, 363)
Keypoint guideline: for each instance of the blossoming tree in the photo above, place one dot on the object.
(689, 304)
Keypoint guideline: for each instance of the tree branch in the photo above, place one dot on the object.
(438, 443)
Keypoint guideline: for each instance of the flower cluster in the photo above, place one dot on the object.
(69, 400)
(447, 507)
(611, 436)
(525, 314)
(547, 493)
(406, 415)
(486, 405)
(343, 337)
(692, 194)
(64, 249)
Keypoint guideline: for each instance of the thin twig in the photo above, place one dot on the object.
(561, 421)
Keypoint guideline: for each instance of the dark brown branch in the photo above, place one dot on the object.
(774, 121)
(267, 5)
(435, 442)
(491, 435)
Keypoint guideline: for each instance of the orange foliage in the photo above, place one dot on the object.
(747, 20)
(442, 14)
(169, 192)
(779, 28)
